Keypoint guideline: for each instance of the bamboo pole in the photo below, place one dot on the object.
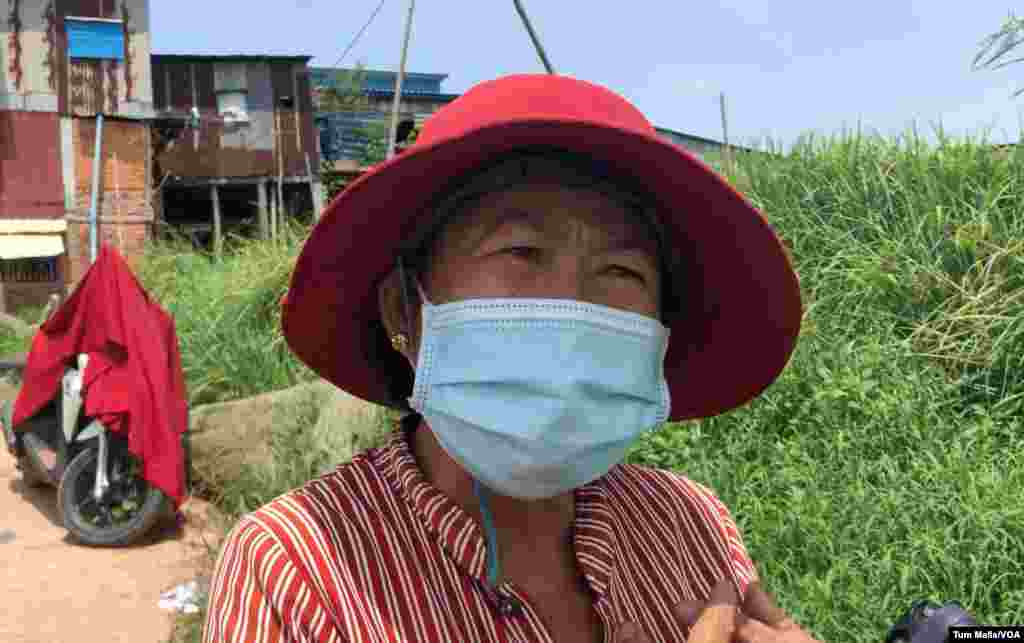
(278, 225)
(397, 103)
(261, 190)
(273, 213)
(726, 150)
(315, 190)
(215, 198)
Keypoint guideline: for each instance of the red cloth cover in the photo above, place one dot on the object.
(133, 383)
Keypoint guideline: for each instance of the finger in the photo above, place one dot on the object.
(717, 621)
(688, 611)
(630, 632)
(715, 625)
(759, 604)
(751, 630)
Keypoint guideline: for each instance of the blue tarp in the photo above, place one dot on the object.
(95, 39)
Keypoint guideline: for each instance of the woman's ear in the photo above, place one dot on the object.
(393, 314)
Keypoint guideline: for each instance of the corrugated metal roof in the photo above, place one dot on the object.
(379, 73)
(413, 92)
(234, 57)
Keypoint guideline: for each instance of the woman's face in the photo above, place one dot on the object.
(539, 241)
(547, 241)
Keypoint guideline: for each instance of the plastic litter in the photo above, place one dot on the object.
(184, 598)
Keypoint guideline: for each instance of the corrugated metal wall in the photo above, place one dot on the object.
(31, 186)
(238, 149)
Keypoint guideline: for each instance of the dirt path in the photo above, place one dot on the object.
(53, 591)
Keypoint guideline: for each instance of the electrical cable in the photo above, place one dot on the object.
(356, 38)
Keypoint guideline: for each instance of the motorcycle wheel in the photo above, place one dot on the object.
(102, 524)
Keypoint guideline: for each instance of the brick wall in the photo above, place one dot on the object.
(124, 211)
(128, 238)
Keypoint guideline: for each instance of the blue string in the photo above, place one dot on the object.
(493, 565)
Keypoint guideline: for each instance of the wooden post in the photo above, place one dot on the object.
(280, 187)
(215, 197)
(273, 215)
(281, 210)
(278, 143)
(261, 189)
(315, 190)
(297, 111)
(726, 150)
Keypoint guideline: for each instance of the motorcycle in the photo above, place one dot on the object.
(101, 495)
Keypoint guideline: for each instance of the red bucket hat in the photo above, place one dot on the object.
(740, 309)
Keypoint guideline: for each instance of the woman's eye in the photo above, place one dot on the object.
(523, 252)
(622, 271)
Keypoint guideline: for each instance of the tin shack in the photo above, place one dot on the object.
(236, 147)
(64, 66)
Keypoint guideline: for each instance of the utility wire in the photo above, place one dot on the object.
(359, 35)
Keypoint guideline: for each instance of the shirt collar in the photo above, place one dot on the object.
(462, 538)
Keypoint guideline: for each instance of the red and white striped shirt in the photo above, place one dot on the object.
(373, 553)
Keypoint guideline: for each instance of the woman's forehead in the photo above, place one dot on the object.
(554, 211)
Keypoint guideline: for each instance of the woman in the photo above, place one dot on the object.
(512, 280)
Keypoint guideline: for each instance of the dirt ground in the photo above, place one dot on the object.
(54, 591)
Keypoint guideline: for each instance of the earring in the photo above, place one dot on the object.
(399, 342)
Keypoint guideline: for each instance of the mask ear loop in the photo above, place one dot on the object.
(491, 536)
(493, 563)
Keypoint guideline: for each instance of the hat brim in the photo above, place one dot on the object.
(740, 311)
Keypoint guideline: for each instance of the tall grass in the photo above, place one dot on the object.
(228, 322)
(227, 313)
(886, 464)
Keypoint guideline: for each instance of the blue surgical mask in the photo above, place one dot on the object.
(536, 397)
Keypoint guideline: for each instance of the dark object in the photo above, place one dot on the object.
(402, 133)
(101, 412)
(928, 622)
(404, 130)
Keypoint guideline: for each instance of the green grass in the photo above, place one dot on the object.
(228, 323)
(884, 466)
(10, 343)
(227, 314)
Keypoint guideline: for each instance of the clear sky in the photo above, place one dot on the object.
(786, 67)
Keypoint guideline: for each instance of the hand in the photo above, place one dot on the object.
(722, 620)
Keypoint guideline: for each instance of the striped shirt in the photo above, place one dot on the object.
(373, 553)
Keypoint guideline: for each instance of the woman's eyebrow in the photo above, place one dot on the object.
(635, 244)
(511, 217)
(519, 216)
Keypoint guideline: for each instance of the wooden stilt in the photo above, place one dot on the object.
(273, 216)
(215, 197)
(261, 189)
